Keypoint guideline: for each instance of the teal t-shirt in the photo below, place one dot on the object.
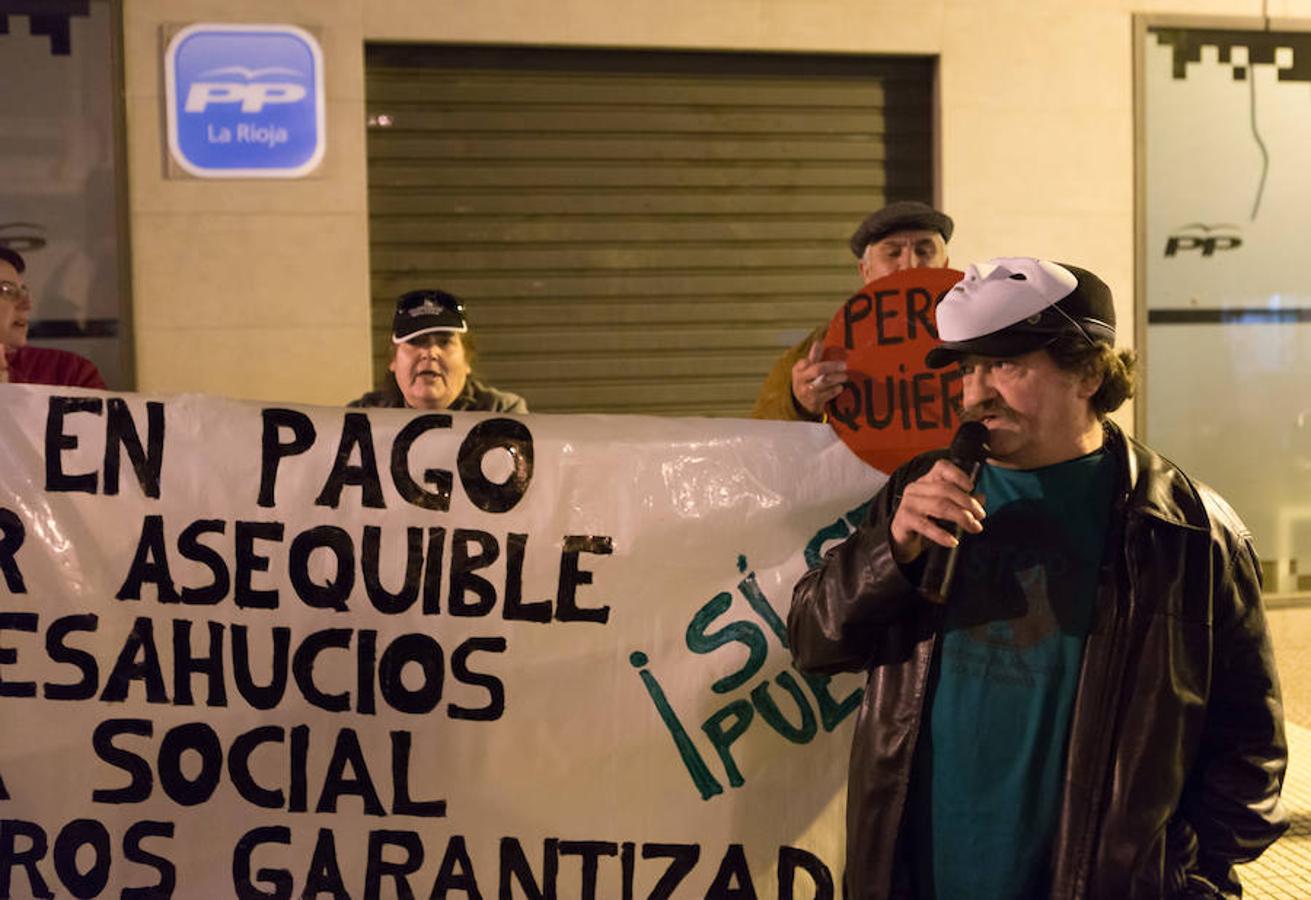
(986, 791)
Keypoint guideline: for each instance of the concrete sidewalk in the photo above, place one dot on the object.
(1284, 871)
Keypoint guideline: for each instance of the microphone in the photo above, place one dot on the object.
(969, 448)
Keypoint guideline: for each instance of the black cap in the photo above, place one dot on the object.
(901, 215)
(1014, 305)
(13, 258)
(420, 312)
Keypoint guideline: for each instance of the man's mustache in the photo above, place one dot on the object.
(990, 408)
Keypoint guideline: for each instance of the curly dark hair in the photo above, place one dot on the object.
(1116, 368)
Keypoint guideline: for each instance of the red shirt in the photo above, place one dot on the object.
(45, 365)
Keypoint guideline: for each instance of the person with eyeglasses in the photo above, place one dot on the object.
(432, 360)
(1091, 708)
(20, 363)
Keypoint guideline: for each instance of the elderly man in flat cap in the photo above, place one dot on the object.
(432, 360)
(902, 235)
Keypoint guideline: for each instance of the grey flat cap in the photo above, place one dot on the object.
(899, 216)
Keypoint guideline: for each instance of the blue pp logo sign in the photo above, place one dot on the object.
(245, 101)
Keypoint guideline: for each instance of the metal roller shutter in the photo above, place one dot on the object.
(633, 232)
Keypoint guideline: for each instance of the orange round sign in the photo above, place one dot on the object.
(894, 406)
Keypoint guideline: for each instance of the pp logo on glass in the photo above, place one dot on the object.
(245, 101)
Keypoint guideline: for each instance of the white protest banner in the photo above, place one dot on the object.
(261, 651)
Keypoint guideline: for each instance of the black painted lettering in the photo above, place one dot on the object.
(121, 434)
(903, 393)
(402, 803)
(197, 738)
(128, 668)
(682, 860)
(279, 881)
(424, 652)
(514, 864)
(335, 593)
(790, 861)
(378, 868)
(885, 392)
(347, 753)
(261, 696)
(464, 563)
(919, 304)
(883, 312)
(26, 858)
(627, 868)
(590, 853)
(324, 875)
(141, 779)
(239, 755)
(298, 792)
(733, 879)
(248, 562)
(510, 436)
(73, 838)
(356, 434)
(273, 450)
(57, 441)
(384, 600)
(12, 535)
(495, 706)
(186, 664)
(854, 310)
(571, 576)
(150, 565)
(83, 661)
(306, 658)
(16, 621)
(440, 480)
(432, 571)
(921, 382)
(513, 607)
(845, 407)
(456, 871)
(134, 852)
(190, 548)
(366, 668)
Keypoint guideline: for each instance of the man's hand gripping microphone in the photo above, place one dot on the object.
(969, 448)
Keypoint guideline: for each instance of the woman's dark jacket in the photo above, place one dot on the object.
(1176, 752)
(476, 396)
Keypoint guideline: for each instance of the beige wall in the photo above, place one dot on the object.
(259, 290)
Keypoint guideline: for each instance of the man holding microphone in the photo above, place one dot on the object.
(1093, 711)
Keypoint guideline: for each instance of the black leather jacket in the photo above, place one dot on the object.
(1176, 753)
